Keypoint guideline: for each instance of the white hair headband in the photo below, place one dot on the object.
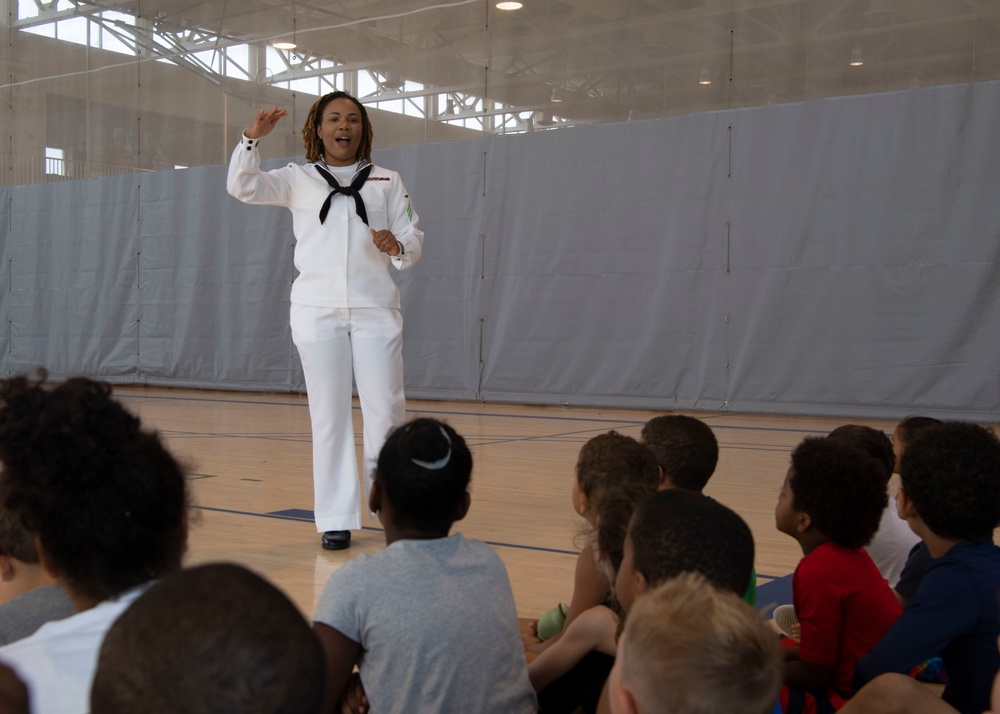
(440, 463)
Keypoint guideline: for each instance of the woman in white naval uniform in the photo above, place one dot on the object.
(351, 221)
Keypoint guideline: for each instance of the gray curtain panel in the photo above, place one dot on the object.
(839, 256)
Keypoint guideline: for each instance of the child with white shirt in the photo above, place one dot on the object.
(108, 505)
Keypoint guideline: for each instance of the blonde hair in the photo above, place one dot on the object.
(311, 140)
(688, 647)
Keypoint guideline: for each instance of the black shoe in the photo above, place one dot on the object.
(336, 540)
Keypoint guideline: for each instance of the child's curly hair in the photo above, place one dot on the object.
(311, 140)
(841, 488)
(678, 531)
(872, 442)
(951, 474)
(105, 498)
(612, 466)
(685, 448)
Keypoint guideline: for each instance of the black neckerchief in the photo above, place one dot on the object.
(353, 190)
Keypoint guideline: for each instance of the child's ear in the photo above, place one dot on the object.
(7, 568)
(626, 701)
(904, 506)
(463, 507)
(803, 521)
(375, 498)
(641, 583)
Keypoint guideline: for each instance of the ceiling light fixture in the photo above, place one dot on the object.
(509, 5)
(704, 77)
(856, 60)
(286, 44)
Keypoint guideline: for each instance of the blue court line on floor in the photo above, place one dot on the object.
(279, 516)
(301, 515)
(570, 437)
(629, 422)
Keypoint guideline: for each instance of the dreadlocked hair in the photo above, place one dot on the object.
(311, 140)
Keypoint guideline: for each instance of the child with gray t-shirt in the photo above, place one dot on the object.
(429, 621)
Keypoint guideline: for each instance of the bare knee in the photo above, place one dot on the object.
(888, 694)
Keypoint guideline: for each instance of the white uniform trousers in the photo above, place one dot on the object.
(332, 341)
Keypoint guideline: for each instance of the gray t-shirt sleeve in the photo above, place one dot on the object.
(340, 604)
(23, 615)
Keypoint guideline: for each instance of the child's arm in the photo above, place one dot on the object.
(590, 585)
(353, 700)
(944, 609)
(590, 588)
(594, 629)
(341, 654)
(811, 664)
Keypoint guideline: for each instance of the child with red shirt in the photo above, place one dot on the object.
(831, 502)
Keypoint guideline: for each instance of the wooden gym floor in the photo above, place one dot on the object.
(248, 456)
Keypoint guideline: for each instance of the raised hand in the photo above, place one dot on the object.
(264, 122)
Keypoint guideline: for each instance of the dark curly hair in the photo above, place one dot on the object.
(615, 466)
(685, 448)
(951, 473)
(841, 488)
(907, 429)
(311, 140)
(424, 470)
(211, 639)
(15, 540)
(679, 531)
(106, 500)
(872, 442)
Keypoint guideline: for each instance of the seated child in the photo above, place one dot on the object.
(213, 639)
(31, 597)
(916, 563)
(610, 466)
(108, 505)
(596, 627)
(893, 541)
(690, 647)
(950, 495)
(687, 453)
(429, 621)
(671, 532)
(831, 502)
